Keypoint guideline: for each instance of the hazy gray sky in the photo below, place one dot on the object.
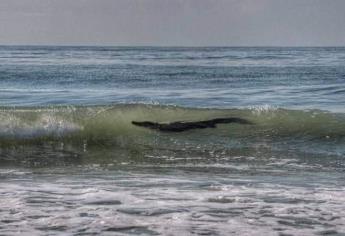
(173, 22)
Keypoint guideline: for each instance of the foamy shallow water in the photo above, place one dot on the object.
(170, 201)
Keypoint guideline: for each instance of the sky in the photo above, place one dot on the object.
(173, 22)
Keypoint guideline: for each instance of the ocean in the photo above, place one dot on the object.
(72, 162)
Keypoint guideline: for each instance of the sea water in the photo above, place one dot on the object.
(72, 163)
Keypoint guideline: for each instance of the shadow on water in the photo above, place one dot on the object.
(72, 136)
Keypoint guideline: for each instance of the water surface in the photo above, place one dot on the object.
(71, 162)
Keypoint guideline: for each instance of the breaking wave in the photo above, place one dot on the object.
(108, 130)
(99, 122)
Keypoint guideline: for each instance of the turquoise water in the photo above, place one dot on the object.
(72, 163)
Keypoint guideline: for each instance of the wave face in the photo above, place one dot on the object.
(83, 131)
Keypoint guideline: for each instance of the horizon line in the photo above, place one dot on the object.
(171, 46)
